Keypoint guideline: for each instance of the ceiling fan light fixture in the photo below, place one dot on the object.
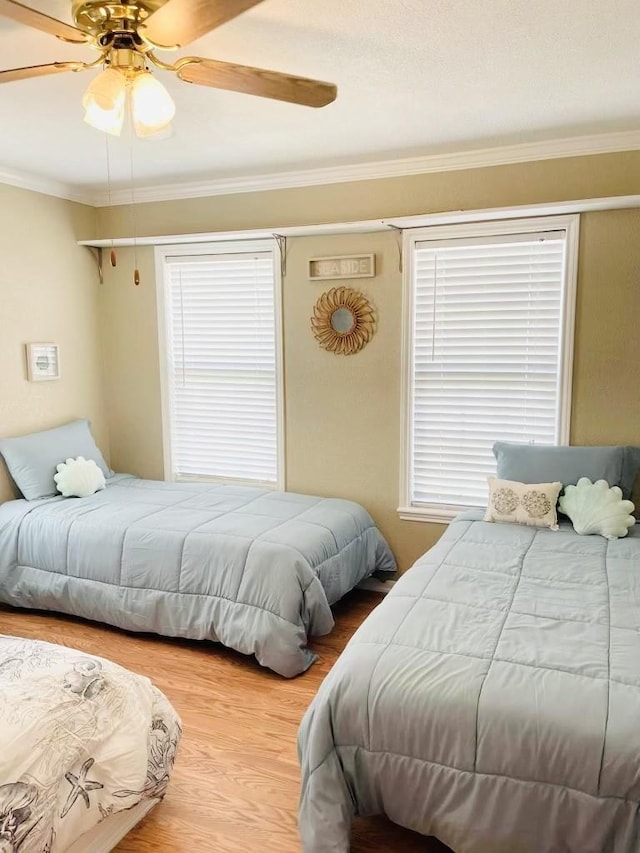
(152, 107)
(126, 34)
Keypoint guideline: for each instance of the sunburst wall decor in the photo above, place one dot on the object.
(343, 321)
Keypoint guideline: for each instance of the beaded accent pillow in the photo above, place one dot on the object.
(533, 504)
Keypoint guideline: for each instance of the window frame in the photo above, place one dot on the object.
(235, 247)
(443, 513)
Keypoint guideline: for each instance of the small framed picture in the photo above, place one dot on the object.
(43, 362)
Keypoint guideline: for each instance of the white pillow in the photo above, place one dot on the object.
(79, 478)
(596, 508)
(533, 504)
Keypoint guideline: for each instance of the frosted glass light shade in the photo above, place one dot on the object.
(104, 102)
(109, 121)
(152, 107)
(106, 91)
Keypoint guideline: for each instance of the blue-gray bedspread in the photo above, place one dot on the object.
(491, 700)
(255, 570)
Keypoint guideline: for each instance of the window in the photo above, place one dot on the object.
(220, 341)
(487, 353)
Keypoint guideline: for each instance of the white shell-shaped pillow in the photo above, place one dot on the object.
(79, 478)
(596, 508)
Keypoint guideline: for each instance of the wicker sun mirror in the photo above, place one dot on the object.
(343, 320)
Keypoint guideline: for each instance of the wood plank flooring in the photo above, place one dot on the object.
(236, 782)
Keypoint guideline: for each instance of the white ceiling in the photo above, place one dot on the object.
(414, 77)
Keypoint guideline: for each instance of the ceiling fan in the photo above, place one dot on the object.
(126, 34)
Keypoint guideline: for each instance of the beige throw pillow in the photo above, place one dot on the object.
(533, 504)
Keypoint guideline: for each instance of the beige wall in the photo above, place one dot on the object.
(498, 186)
(48, 292)
(606, 384)
(132, 386)
(342, 414)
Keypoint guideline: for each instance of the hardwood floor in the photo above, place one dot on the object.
(236, 781)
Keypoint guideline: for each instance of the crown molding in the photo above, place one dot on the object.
(577, 146)
(47, 186)
(478, 158)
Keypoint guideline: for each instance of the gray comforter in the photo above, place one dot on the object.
(492, 700)
(252, 569)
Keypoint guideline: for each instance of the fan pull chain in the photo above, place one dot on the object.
(136, 271)
(113, 260)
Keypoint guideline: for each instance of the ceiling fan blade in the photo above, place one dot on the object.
(256, 81)
(179, 22)
(32, 18)
(38, 71)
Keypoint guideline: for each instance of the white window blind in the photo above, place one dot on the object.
(487, 346)
(222, 366)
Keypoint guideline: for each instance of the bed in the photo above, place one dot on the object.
(492, 700)
(86, 749)
(255, 570)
